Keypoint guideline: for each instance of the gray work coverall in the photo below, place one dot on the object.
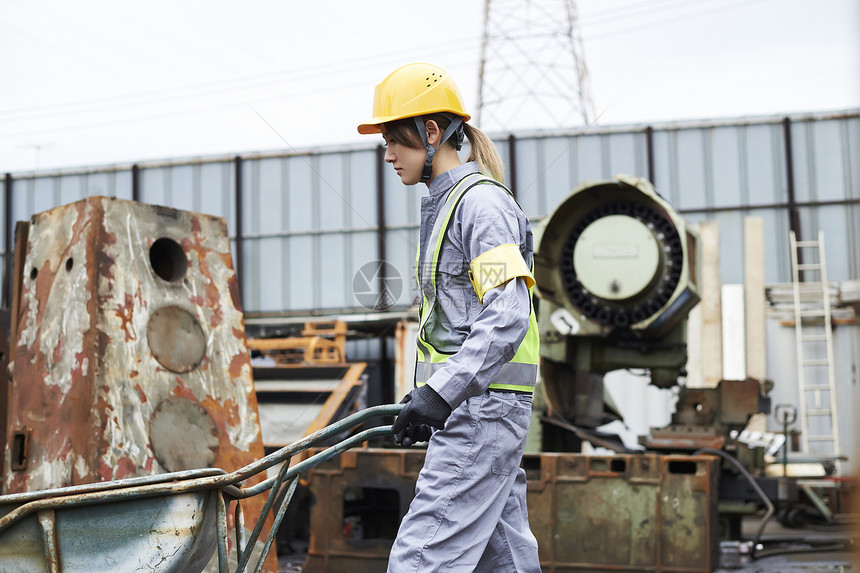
(469, 512)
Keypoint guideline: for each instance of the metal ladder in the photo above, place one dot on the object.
(819, 420)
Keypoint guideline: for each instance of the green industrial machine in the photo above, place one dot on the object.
(617, 272)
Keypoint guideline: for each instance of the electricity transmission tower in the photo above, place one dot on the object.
(533, 72)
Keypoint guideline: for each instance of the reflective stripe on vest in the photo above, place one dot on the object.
(520, 373)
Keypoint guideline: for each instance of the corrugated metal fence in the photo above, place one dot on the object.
(303, 225)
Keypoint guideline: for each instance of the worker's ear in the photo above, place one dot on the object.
(434, 134)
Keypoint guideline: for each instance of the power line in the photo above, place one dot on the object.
(194, 109)
(287, 75)
(222, 86)
(690, 16)
(635, 10)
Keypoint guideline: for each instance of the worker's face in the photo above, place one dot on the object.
(407, 160)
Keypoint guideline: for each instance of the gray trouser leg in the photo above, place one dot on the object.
(512, 547)
(470, 506)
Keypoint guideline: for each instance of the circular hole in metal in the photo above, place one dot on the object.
(34, 272)
(176, 339)
(183, 435)
(168, 259)
(69, 264)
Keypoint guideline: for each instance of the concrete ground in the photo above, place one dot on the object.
(774, 538)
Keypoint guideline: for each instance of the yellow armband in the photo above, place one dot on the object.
(497, 266)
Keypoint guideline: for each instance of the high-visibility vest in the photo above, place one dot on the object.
(520, 373)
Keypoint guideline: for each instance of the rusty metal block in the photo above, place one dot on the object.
(129, 356)
(589, 513)
(705, 417)
(641, 512)
(5, 316)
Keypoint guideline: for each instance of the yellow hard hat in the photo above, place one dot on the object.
(413, 90)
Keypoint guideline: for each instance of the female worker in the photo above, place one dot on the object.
(477, 340)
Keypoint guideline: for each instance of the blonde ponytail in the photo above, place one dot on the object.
(485, 153)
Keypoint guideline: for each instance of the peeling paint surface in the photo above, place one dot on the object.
(163, 534)
(84, 378)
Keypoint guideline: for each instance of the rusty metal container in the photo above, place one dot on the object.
(589, 513)
(641, 512)
(129, 354)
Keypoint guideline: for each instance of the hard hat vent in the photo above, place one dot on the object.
(434, 77)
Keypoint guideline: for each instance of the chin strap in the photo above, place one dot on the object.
(455, 127)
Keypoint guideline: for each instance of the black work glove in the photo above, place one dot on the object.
(424, 408)
(413, 435)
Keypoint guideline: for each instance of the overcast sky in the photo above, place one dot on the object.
(100, 82)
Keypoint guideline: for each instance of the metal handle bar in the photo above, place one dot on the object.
(310, 440)
(287, 478)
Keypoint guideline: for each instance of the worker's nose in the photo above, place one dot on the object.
(389, 156)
